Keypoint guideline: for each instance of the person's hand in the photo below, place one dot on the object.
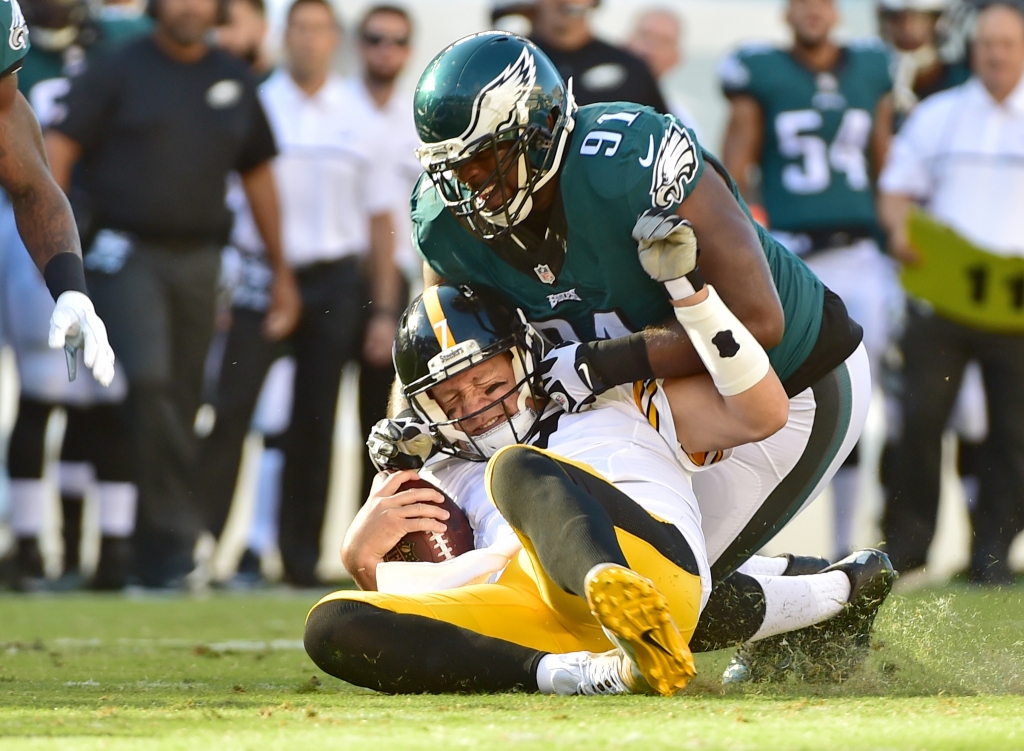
(569, 378)
(285, 306)
(380, 338)
(387, 516)
(74, 324)
(401, 442)
(666, 244)
(902, 250)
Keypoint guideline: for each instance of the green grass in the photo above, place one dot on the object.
(224, 673)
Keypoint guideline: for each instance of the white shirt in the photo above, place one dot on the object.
(961, 154)
(395, 125)
(330, 176)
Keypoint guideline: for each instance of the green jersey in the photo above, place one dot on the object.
(815, 171)
(14, 45)
(623, 159)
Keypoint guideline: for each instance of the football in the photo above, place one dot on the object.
(434, 547)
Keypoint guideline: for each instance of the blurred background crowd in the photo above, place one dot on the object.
(240, 173)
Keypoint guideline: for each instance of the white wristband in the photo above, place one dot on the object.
(733, 357)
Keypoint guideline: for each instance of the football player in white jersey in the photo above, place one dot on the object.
(590, 572)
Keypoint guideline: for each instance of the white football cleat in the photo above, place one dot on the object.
(592, 674)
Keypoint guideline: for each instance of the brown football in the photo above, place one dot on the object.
(434, 547)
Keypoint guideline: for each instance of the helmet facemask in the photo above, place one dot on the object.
(451, 434)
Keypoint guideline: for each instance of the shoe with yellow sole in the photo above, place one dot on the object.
(636, 618)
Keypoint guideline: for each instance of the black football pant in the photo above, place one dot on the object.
(247, 357)
(329, 334)
(935, 351)
(159, 312)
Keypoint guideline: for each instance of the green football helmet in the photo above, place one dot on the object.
(497, 91)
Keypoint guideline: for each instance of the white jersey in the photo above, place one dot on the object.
(628, 437)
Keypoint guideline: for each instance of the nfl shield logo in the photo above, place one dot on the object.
(544, 273)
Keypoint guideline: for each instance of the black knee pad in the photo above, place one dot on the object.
(99, 435)
(26, 446)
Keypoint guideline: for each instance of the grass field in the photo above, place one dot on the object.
(227, 672)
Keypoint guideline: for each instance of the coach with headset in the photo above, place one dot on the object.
(154, 129)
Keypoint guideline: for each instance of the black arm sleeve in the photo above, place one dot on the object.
(619, 361)
(259, 144)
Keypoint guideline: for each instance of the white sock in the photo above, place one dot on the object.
(845, 485)
(762, 565)
(793, 602)
(550, 668)
(27, 500)
(117, 501)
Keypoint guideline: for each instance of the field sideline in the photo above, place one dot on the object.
(228, 672)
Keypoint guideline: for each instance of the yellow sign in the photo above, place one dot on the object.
(963, 282)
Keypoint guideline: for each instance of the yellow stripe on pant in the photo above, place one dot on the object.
(525, 607)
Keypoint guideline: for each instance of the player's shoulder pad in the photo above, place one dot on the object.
(436, 234)
(623, 150)
(740, 70)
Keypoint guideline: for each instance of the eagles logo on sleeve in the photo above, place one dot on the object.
(18, 38)
(674, 167)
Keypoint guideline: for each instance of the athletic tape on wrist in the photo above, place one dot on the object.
(684, 286)
(732, 356)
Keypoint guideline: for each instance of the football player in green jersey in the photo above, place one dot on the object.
(817, 119)
(589, 219)
(43, 214)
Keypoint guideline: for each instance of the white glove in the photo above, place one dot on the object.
(569, 378)
(666, 244)
(403, 442)
(73, 325)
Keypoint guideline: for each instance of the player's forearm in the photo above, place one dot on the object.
(45, 222)
(261, 192)
(41, 210)
(893, 211)
(385, 276)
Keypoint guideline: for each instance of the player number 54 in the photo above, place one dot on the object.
(818, 159)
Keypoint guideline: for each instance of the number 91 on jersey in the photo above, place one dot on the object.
(962, 282)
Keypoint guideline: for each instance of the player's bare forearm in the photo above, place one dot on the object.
(385, 276)
(43, 214)
(893, 213)
(285, 300)
(732, 259)
(881, 135)
(261, 192)
(744, 139)
(707, 421)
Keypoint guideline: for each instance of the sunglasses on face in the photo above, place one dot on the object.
(378, 40)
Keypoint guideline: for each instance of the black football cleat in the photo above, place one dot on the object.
(834, 649)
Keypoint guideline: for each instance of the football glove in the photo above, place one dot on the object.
(403, 442)
(568, 377)
(74, 325)
(666, 244)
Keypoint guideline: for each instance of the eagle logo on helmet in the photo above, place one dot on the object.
(674, 168)
(502, 102)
